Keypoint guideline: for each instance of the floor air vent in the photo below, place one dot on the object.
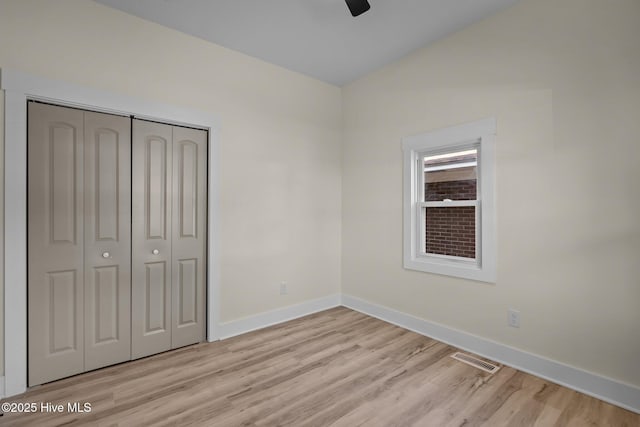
(475, 362)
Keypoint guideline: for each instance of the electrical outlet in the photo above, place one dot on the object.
(513, 318)
(283, 288)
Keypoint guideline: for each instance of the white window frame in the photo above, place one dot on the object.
(481, 135)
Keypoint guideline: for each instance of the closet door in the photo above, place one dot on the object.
(188, 236)
(151, 238)
(107, 239)
(55, 242)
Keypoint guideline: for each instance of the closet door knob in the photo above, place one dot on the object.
(155, 252)
(106, 254)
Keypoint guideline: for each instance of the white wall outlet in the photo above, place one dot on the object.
(283, 288)
(513, 318)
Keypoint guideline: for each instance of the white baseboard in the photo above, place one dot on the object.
(262, 320)
(609, 390)
(606, 389)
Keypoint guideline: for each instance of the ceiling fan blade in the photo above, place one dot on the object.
(358, 7)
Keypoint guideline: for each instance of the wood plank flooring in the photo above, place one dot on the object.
(334, 368)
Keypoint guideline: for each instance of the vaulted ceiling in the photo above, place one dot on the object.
(318, 38)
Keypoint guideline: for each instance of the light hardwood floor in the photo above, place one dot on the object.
(334, 368)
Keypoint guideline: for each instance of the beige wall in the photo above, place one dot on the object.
(279, 141)
(563, 80)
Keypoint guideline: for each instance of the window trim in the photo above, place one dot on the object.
(482, 134)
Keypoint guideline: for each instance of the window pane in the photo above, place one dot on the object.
(451, 176)
(451, 231)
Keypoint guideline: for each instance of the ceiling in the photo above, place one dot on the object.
(318, 38)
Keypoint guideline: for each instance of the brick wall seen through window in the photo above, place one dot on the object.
(450, 230)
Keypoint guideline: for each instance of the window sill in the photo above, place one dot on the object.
(450, 267)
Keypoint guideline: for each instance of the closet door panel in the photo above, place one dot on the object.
(151, 238)
(55, 242)
(189, 235)
(107, 234)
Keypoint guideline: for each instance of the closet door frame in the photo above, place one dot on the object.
(21, 87)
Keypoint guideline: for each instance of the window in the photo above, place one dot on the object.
(449, 219)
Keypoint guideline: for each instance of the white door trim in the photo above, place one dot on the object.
(19, 87)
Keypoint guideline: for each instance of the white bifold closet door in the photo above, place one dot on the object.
(169, 237)
(79, 241)
(116, 239)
